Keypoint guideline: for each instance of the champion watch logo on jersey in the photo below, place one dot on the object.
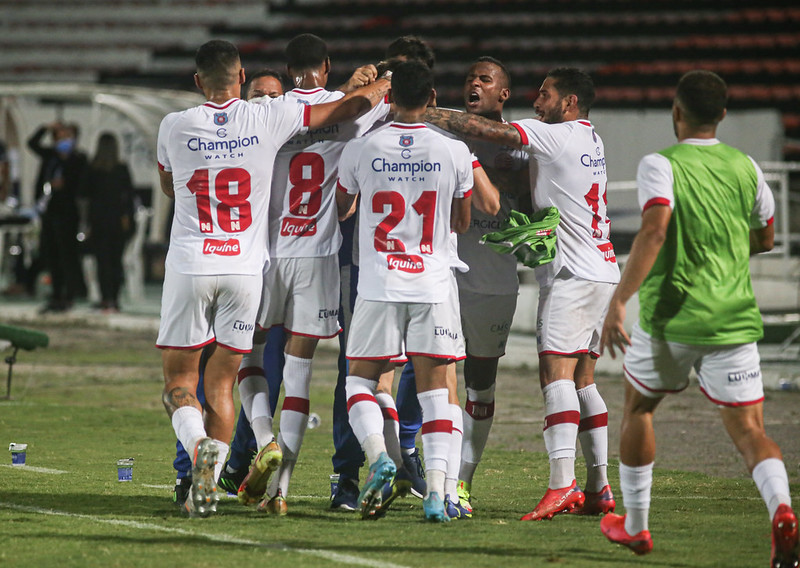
(220, 118)
(406, 140)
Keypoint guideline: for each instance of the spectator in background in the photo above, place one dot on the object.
(107, 186)
(60, 173)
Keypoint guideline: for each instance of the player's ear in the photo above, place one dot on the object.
(242, 77)
(198, 82)
(505, 92)
(432, 98)
(327, 65)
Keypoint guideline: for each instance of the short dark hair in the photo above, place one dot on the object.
(266, 72)
(411, 47)
(703, 96)
(412, 83)
(306, 51)
(215, 60)
(496, 62)
(574, 81)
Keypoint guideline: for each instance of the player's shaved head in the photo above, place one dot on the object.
(306, 51)
(703, 96)
(412, 84)
(506, 76)
(218, 63)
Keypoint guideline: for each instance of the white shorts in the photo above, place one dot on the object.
(486, 321)
(729, 375)
(570, 318)
(302, 295)
(381, 330)
(197, 310)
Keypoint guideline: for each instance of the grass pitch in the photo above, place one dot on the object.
(92, 398)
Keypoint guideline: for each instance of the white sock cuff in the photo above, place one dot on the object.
(458, 417)
(484, 396)
(558, 385)
(772, 482)
(636, 482)
(359, 385)
(187, 421)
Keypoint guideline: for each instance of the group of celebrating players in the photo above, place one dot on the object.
(260, 189)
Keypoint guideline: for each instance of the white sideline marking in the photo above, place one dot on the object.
(33, 469)
(225, 539)
(158, 486)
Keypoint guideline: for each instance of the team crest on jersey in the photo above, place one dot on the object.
(220, 118)
(406, 140)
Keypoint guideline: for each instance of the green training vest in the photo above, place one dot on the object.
(699, 290)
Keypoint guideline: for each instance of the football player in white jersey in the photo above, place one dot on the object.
(488, 290)
(301, 285)
(575, 288)
(414, 184)
(215, 160)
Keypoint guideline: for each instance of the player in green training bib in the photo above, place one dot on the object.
(705, 209)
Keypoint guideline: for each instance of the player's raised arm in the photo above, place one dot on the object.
(362, 76)
(350, 106)
(473, 126)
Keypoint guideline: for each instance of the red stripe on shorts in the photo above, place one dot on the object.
(592, 422)
(361, 397)
(566, 417)
(445, 426)
(296, 403)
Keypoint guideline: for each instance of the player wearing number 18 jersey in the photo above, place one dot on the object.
(410, 179)
(215, 160)
(569, 173)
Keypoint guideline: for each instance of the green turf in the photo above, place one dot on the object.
(76, 419)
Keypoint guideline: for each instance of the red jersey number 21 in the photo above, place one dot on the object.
(228, 202)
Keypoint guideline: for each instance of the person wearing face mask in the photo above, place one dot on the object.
(62, 167)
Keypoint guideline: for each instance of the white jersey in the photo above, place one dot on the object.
(221, 160)
(570, 173)
(302, 210)
(490, 272)
(408, 176)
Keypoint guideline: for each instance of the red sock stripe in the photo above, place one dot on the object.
(566, 417)
(591, 422)
(361, 397)
(249, 372)
(390, 414)
(479, 410)
(445, 426)
(296, 403)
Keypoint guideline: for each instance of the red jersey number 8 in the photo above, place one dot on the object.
(306, 174)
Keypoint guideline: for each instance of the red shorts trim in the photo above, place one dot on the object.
(435, 356)
(645, 387)
(731, 404)
(314, 336)
(562, 354)
(234, 349)
(189, 348)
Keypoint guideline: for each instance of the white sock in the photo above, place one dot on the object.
(189, 428)
(437, 428)
(773, 484)
(294, 413)
(254, 394)
(562, 415)
(364, 414)
(223, 453)
(593, 435)
(635, 483)
(280, 479)
(477, 418)
(454, 455)
(391, 427)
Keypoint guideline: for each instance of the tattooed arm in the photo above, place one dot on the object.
(473, 126)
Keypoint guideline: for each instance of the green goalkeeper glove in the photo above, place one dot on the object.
(532, 240)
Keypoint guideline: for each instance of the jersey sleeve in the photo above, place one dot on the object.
(763, 212)
(543, 141)
(655, 182)
(465, 163)
(377, 114)
(286, 118)
(347, 169)
(162, 154)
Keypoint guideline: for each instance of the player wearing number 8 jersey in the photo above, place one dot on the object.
(569, 172)
(301, 286)
(411, 179)
(215, 160)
